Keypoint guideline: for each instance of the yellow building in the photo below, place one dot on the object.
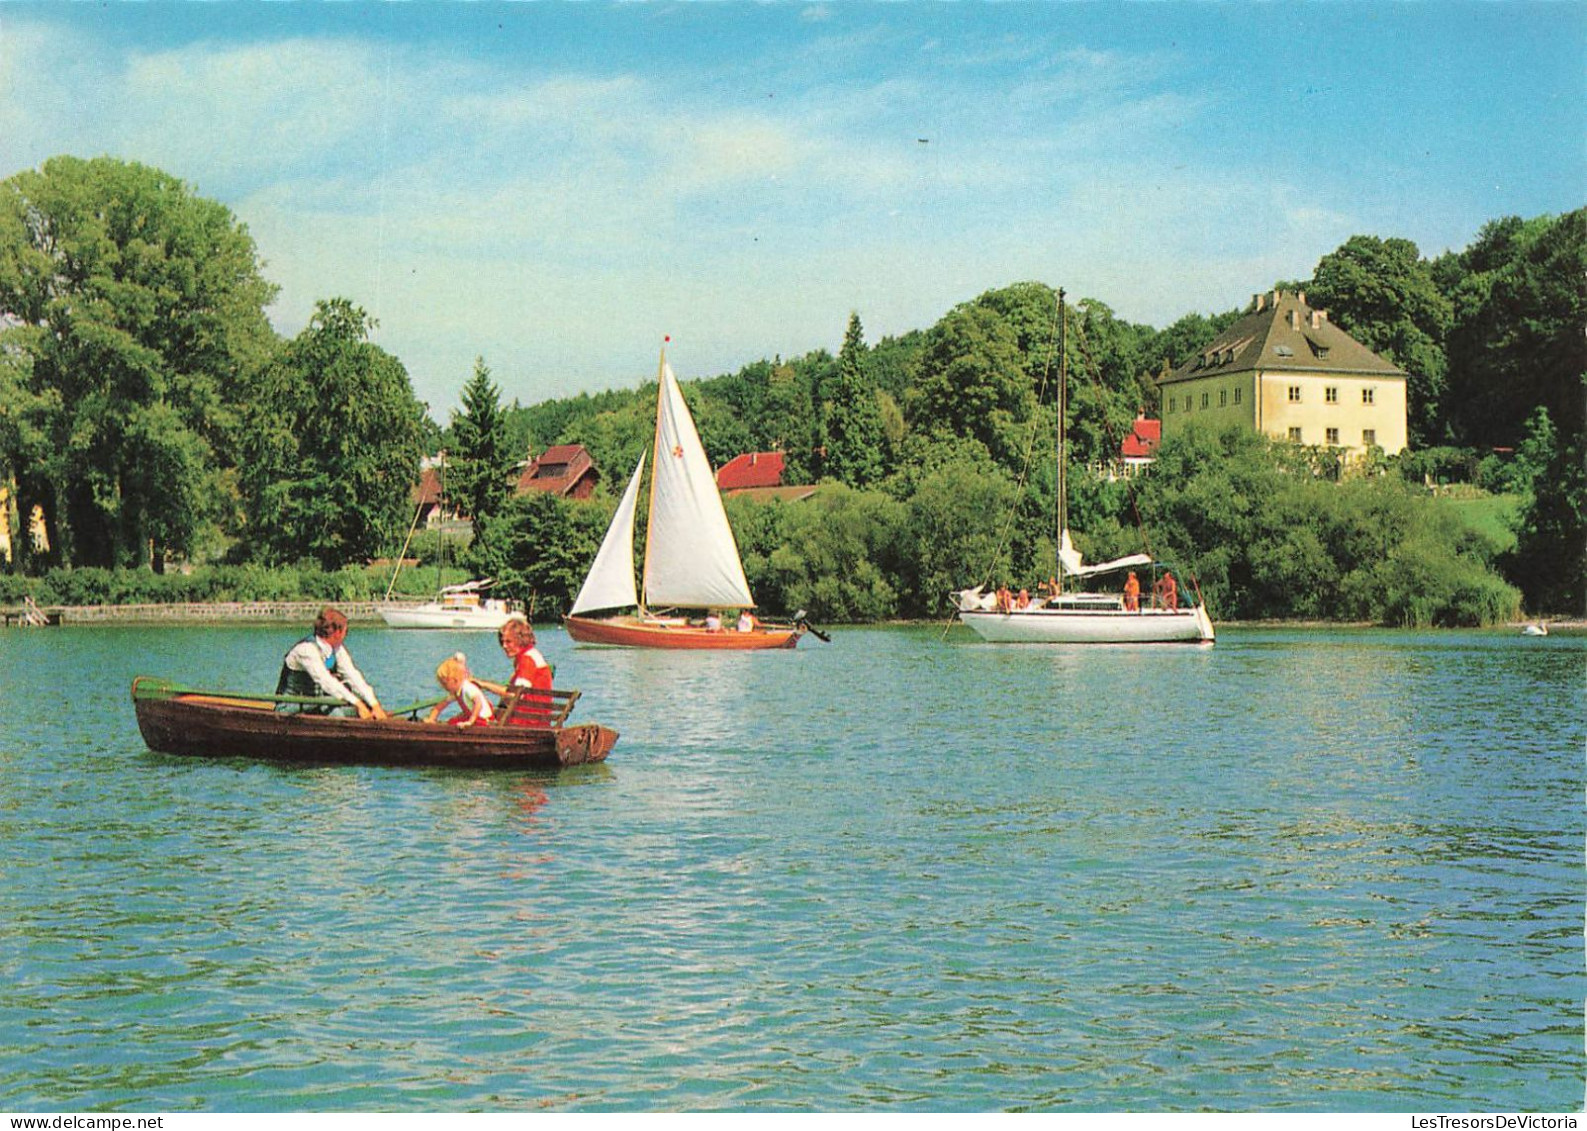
(1286, 371)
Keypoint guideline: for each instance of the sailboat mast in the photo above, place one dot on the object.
(440, 507)
(1063, 412)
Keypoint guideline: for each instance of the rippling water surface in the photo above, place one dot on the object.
(1311, 871)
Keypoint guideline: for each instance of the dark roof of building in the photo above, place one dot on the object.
(753, 469)
(1143, 439)
(558, 469)
(1282, 333)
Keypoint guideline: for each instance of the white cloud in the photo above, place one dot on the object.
(558, 220)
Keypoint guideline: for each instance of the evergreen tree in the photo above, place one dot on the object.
(479, 464)
(854, 433)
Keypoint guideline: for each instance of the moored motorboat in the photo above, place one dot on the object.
(457, 606)
(174, 719)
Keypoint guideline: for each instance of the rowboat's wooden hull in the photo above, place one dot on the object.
(634, 632)
(217, 725)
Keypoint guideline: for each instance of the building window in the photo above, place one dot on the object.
(1223, 397)
(1294, 434)
(1203, 400)
(1171, 404)
(1366, 396)
(1237, 394)
(1294, 394)
(1369, 437)
(1331, 394)
(1333, 437)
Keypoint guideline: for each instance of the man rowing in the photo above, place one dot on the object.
(319, 665)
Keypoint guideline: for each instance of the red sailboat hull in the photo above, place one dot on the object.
(636, 632)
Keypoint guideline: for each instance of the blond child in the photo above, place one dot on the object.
(452, 674)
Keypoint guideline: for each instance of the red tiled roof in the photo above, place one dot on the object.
(754, 469)
(1143, 439)
(560, 469)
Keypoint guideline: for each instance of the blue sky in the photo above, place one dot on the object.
(555, 186)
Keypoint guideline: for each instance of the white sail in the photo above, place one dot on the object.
(610, 584)
(691, 558)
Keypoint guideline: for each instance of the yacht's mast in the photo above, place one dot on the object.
(1063, 411)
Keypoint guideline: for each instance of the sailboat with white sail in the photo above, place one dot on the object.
(1075, 612)
(692, 564)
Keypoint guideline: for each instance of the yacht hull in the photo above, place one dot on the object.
(1091, 626)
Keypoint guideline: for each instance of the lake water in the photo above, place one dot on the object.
(1301, 870)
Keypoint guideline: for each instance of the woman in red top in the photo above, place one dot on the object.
(530, 673)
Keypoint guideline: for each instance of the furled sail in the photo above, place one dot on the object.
(610, 584)
(691, 558)
(1071, 560)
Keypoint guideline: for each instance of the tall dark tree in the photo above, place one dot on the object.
(854, 435)
(333, 445)
(1550, 557)
(131, 313)
(1517, 342)
(479, 463)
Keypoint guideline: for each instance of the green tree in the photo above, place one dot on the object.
(854, 432)
(334, 445)
(1517, 342)
(479, 464)
(971, 382)
(1550, 557)
(139, 308)
(1384, 294)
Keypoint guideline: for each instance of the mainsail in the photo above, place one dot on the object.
(691, 558)
(1070, 559)
(610, 584)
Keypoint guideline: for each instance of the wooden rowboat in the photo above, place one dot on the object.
(184, 720)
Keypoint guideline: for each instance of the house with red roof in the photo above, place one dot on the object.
(1140, 446)
(759, 475)
(426, 495)
(562, 469)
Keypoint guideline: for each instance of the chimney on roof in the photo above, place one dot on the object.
(1277, 294)
(1257, 303)
(1316, 319)
(1294, 318)
(1300, 297)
